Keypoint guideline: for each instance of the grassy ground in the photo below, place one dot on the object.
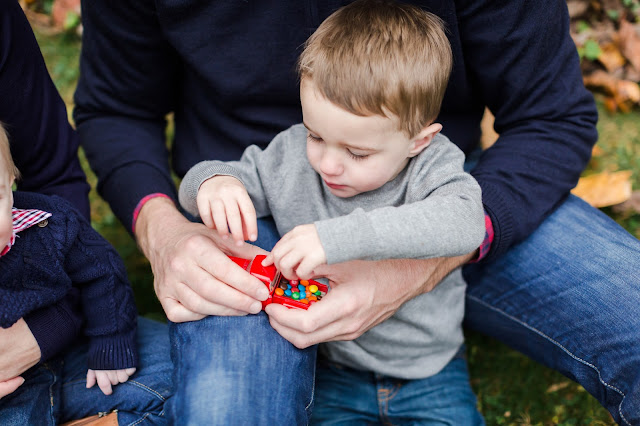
(512, 389)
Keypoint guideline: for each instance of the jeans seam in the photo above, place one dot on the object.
(140, 420)
(143, 386)
(538, 332)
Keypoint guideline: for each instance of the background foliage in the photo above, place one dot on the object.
(511, 388)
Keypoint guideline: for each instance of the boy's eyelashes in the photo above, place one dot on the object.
(314, 138)
(357, 156)
(351, 153)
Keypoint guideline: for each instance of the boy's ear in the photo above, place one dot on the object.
(423, 139)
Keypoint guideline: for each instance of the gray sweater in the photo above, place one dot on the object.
(431, 209)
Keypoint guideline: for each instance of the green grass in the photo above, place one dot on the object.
(511, 388)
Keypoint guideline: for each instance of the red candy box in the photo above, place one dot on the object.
(290, 293)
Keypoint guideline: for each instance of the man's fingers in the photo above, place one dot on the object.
(189, 306)
(9, 386)
(227, 272)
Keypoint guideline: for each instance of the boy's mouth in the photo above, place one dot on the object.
(334, 186)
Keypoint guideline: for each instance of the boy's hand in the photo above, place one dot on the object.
(224, 204)
(106, 378)
(298, 253)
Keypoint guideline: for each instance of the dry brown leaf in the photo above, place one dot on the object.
(596, 151)
(631, 205)
(489, 135)
(61, 8)
(629, 41)
(611, 57)
(557, 386)
(625, 93)
(604, 189)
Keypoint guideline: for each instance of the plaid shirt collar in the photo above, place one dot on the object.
(23, 219)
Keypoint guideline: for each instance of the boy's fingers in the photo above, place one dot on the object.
(91, 378)
(219, 215)
(235, 221)
(104, 384)
(249, 219)
(306, 267)
(122, 376)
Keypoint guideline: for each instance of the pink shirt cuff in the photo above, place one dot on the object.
(141, 203)
(484, 248)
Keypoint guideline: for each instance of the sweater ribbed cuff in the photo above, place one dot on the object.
(501, 219)
(114, 352)
(55, 327)
(129, 184)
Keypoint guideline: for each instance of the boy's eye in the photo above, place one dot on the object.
(314, 138)
(357, 156)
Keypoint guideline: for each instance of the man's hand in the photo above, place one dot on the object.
(19, 351)
(363, 294)
(193, 277)
(9, 386)
(298, 253)
(106, 378)
(224, 204)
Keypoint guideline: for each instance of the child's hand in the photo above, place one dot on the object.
(224, 204)
(106, 378)
(298, 253)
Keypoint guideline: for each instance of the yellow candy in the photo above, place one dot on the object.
(313, 288)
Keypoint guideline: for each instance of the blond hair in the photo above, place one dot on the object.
(5, 153)
(377, 57)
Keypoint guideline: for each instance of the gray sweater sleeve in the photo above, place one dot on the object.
(442, 215)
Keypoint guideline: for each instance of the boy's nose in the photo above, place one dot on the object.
(330, 164)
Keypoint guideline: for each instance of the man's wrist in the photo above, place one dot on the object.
(151, 214)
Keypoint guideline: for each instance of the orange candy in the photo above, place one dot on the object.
(279, 291)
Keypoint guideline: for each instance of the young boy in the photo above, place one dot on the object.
(47, 251)
(374, 180)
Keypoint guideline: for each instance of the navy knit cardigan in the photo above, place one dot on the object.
(66, 255)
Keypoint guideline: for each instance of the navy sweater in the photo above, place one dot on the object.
(226, 70)
(48, 262)
(44, 147)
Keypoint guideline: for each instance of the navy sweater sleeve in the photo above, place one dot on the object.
(525, 63)
(123, 129)
(43, 144)
(107, 299)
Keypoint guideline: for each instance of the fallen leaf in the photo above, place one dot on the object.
(625, 93)
(489, 135)
(629, 41)
(557, 386)
(611, 57)
(596, 151)
(604, 189)
(632, 205)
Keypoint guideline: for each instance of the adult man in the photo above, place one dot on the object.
(226, 71)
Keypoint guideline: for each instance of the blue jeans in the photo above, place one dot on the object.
(568, 296)
(55, 391)
(350, 397)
